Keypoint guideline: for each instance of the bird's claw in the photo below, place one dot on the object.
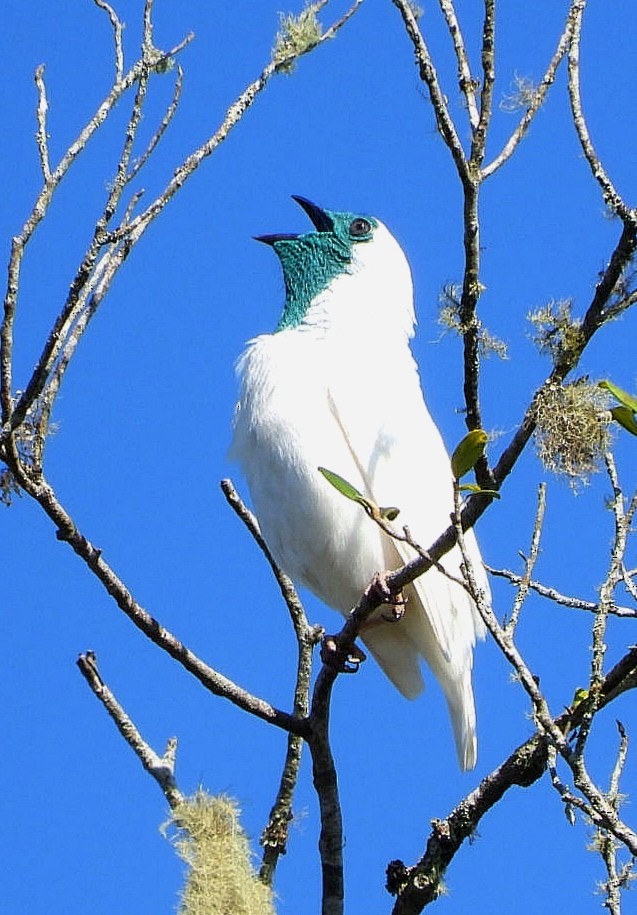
(346, 662)
(380, 590)
(396, 611)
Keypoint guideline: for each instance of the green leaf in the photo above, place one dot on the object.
(350, 492)
(473, 487)
(627, 400)
(468, 452)
(346, 489)
(580, 695)
(626, 418)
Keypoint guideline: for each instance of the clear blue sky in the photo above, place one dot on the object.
(143, 429)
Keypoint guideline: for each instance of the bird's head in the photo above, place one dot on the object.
(350, 258)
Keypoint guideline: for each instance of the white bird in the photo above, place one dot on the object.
(336, 386)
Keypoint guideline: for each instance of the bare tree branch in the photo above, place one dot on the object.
(13, 416)
(617, 878)
(419, 885)
(213, 681)
(529, 562)
(606, 600)
(326, 787)
(601, 811)
(557, 598)
(467, 83)
(538, 96)
(119, 242)
(42, 138)
(161, 768)
(275, 835)
(611, 196)
(117, 37)
(429, 76)
(304, 632)
(111, 244)
(479, 140)
(141, 161)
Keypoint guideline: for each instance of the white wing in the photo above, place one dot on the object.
(403, 461)
(366, 420)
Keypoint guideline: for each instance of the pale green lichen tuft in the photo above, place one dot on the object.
(556, 333)
(521, 95)
(450, 317)
(297, 34)
(221, 878)
(573, 428)
(490, 345)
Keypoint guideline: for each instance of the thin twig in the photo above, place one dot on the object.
(537, 98)
(617, 879)
(529, 561)
(504, 639)
(275, 835)
(163, 127)
(606, 600)
(419, 885)
(42, 137)
(564, 600)
(303, 630)
(338, 25)
(618, 307)
(117, 37)
(620, 762)
(471, 291)
(466, 82)
(479, 139)
(213, 681)
(147, 34)
(161, 768)
(428, 74)
(130, 232)
(629, 583)
(233, 115)
(471, 285)
(83, 313)
(612, 198)
(571, 801)
(13, 416)
(602, 812)
(122, 177)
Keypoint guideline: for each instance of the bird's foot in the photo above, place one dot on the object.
(379, 590)
(397, 609)
(345, 662)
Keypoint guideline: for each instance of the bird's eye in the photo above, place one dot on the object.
(359, 227)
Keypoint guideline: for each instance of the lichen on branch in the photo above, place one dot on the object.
(208, 836)
(573, 428)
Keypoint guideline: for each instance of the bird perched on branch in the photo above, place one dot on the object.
(336, 386)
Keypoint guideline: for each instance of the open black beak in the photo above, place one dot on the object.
(271, 239)
(320, 220)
